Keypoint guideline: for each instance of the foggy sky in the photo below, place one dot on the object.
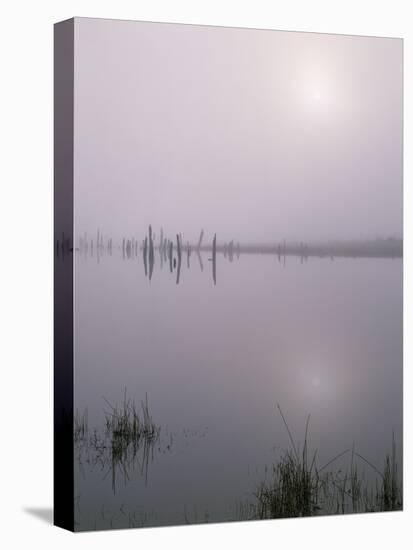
(254, 135)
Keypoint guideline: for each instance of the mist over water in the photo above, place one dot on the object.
(323, 336)
(254, 135)
(238, 245)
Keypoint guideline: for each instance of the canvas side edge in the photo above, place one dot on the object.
(63, 274)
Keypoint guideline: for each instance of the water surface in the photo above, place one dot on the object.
(321, 336)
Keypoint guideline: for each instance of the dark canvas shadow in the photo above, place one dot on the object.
(44, 514)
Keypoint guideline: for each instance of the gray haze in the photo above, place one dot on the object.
(254, 135)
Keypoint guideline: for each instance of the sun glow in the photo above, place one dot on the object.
(318, 96)
(316, 90)
(318, 379)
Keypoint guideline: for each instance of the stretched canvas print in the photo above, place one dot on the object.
(228, 274)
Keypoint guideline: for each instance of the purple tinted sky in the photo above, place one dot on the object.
(255, 135)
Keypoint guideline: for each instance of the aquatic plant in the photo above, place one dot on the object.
(127, 441)
(299, 487)
(80, 425)
(127, 424)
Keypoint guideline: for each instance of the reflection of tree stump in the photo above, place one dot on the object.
(231, 251)
(145, 253)
(165, 255)
(188, 253)
(178, 249)
(214, 259)
(201, 265)
(170, 252)
(151, 253)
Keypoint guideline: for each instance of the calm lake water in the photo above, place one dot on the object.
(320, 337)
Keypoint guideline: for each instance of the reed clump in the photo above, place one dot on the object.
(128, 424)
(387, 495)
(126, 442)
(294, 488)
(80, 425)
(298, 487)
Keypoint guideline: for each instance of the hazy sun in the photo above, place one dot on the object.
(316, 91)
(316, 95)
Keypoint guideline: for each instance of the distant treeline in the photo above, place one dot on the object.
(172, 249)
(377, 248)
